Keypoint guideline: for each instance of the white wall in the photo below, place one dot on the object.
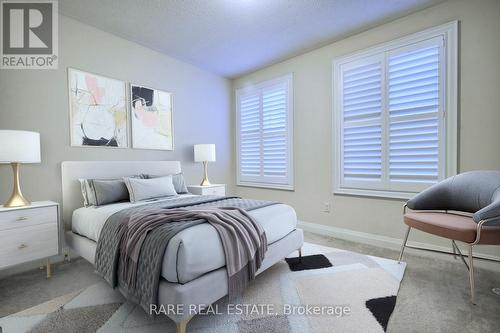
(38, 100)
(479, 116)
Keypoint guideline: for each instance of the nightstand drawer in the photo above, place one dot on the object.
(214, 189)
(219, 190)
(29, 243)
(19, 218)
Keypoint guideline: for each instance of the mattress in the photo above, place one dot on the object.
(194, 251)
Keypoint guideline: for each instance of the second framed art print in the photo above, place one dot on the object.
(152, 118)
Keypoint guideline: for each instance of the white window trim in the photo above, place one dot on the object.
(449, 32)
(289, 186)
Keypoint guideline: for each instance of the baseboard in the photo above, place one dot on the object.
(378, 240)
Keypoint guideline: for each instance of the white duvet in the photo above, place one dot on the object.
(193, 251)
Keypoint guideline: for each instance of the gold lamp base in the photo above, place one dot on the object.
(205, 181)
(16, 199)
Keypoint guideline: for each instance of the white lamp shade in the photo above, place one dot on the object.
(19, 146)
(204, 153)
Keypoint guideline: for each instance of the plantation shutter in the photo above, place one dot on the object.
(415, 115)
(274, 132)
(362, 123)
(250, 135)
(264, 126)
(390, 117)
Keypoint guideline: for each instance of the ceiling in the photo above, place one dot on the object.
(234, 37)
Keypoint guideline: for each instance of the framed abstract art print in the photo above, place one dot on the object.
(152, 118)
(98, 110)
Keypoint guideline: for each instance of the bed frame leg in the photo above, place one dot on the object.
(181, 325)
(300, 254)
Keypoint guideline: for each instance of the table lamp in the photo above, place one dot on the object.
(18, 147)
(204, 153)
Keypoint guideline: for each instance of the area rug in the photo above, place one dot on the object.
(328, 290)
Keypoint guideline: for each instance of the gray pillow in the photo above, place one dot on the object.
(144, 189)
(177, 180)
(101, 192)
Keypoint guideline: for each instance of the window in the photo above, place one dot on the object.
(264, 124)
(395, 115)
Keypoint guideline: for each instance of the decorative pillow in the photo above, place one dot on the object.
(144, 189)
(108, 191)
(83, 188)
(97, 192)
(177, 180)
(89, 189)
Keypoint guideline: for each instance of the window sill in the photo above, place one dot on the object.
(375, 193)
(267, 186)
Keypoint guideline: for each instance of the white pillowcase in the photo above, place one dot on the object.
(83, 188)
(144, 189)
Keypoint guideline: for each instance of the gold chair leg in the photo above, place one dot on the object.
(404, 244)
(471, 277)
(456, 249)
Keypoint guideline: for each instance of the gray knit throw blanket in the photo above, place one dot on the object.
(243, 240)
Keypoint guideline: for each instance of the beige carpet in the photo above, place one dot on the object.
(330, 290)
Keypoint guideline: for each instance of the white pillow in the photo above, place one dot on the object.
(83, 188)
(144, 189)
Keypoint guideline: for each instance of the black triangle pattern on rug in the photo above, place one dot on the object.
(315, 261)
(382, 308)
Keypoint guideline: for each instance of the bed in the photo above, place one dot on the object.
(194, 257)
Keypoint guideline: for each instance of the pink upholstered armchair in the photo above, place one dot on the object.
(463, 208)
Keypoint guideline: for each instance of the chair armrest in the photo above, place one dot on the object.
(490, 212)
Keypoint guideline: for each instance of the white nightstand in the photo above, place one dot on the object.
(29, 233)
(214, 189)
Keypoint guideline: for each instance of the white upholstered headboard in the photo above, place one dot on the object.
(73, 170)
